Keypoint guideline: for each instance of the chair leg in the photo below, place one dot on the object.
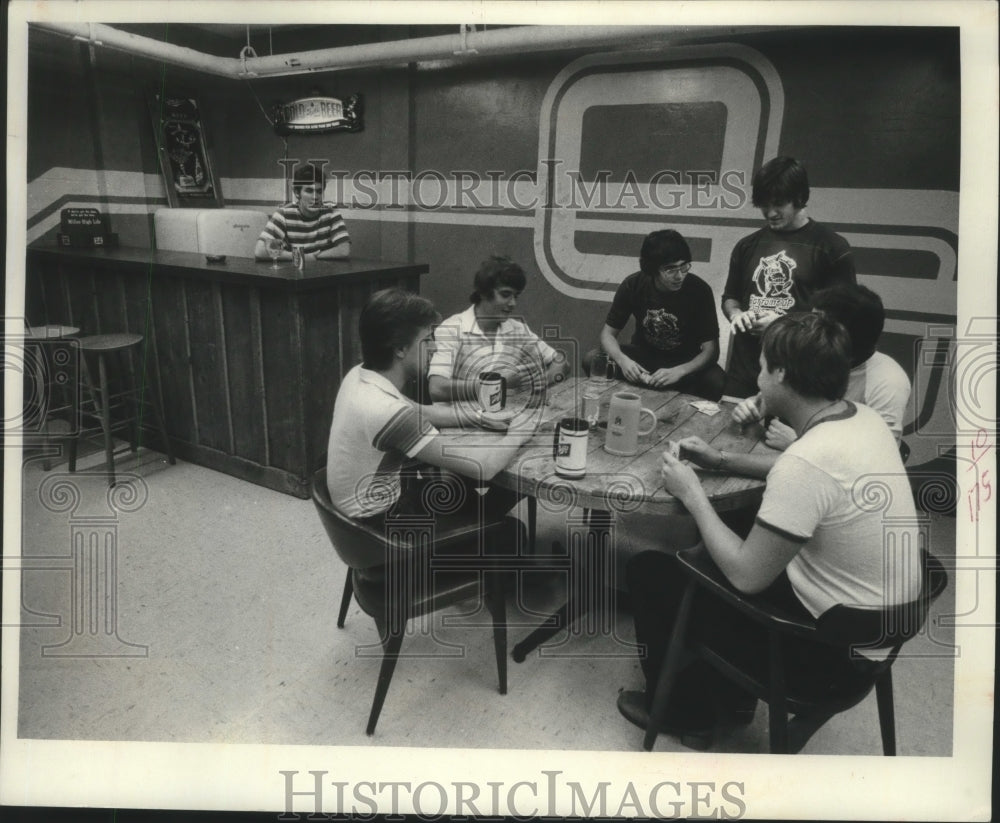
(390, 655)
(75, 422)
(777, 712)
(345, 600)
(132, 398)
(88, 381)
(109, 451)
(671, 666)
(886, 713)
(497, 604)
(532, 522)
(46, 401)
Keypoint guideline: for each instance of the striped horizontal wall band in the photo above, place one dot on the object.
(899, 251)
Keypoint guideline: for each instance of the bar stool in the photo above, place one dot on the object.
(51, 331)
(53, 377)
(103, 403)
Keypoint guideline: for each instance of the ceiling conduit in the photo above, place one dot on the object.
(467, 43)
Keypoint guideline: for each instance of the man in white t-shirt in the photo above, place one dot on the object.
(488, 337)
(876, 379)
(813, 545)
(377, 432)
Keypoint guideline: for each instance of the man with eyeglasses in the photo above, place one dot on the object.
(676, 340)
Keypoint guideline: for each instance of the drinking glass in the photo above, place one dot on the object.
(592, 403)
(602, 368)
(274, 247)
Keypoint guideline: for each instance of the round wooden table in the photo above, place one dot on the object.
(627, 484)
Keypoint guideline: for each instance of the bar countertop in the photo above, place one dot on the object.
(238, 270)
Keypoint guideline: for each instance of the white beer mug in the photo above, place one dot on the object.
(624, 413)
(492, 392)
(569, 447)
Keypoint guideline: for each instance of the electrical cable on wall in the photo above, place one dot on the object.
(247, 52)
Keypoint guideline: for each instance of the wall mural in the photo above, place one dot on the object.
(605, 115)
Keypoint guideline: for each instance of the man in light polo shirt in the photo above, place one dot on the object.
(488, 337)
(377, 432)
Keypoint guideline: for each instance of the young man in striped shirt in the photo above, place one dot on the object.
(308, 222)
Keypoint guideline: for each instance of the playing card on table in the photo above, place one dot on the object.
(706, 407)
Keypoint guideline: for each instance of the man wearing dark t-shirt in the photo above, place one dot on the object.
(775, 270)
(676, 340)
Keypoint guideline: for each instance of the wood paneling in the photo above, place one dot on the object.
(248, 366)
(208, 376)
(244, 358)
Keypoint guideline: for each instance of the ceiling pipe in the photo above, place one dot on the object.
(466, 43)
(106, 36)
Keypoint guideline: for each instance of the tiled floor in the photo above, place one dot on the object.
(229, 593)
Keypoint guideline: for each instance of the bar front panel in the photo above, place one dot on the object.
(247, 371)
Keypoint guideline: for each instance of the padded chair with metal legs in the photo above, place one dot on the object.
(345, 599)
(124, 407)
(394, 582)
(885, 629)
(529, 538)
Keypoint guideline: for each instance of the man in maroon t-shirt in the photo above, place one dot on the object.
(775, 270)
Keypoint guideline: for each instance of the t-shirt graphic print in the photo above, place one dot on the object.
(661, 329)
(773, 281)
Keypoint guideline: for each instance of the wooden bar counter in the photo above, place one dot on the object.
(247, 359)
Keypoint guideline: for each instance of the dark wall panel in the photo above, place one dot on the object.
(871, 108)
(482, 117)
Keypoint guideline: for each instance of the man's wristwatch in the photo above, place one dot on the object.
(723, 458)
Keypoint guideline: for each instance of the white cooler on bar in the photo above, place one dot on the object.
(176, 229)
(232, 232)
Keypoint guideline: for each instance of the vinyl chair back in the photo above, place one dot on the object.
(812, 705)
(395, 580)
(359, 546)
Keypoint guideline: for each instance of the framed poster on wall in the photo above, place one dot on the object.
(182, 148)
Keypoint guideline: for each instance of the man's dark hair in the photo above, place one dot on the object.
(307, 175)
(390, 320)
(779, 181)
(859, 310)
(660, 247)
(814, 350)
(496, 272)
